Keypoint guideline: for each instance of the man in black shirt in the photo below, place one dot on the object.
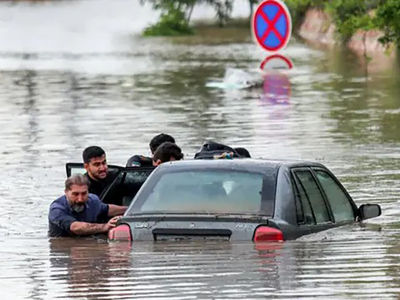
(144, 161)
(167, 152)
(95, 163)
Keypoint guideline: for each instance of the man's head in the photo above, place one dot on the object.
(77, 192)
(158, 140)
(95, 163)
(167, 152)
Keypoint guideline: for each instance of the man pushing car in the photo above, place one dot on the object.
(78, 213)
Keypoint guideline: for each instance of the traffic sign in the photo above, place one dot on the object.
(276, 62)
(272, 25)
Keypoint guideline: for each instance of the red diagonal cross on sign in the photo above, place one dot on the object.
(271, 25)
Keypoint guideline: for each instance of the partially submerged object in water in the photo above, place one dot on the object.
(236, 79)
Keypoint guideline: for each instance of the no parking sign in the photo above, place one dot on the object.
(272, 25)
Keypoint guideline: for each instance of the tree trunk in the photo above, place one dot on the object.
(190, 13)
(251, 9)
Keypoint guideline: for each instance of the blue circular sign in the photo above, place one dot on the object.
(272, 25)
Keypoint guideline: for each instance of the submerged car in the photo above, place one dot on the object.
(236, 200)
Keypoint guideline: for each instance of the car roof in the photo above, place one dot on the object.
(245, 164)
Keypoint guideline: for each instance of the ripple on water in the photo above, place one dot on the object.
(111, 87)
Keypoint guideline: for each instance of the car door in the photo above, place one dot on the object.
(312, 208)
(126, 184)
(342, 206)
(131, 181)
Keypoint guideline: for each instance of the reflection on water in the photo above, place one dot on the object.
(88, 268)
(87, 80)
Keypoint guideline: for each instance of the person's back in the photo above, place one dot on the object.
(139, 161)
(213, 150)
(144, 161)
(243, 152)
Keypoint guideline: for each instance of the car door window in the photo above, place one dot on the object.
(314, 196)
(303, 208)
(340, 204)
(133, 181)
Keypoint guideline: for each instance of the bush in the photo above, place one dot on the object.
(171, 23)
(350, 16)
(388, 20)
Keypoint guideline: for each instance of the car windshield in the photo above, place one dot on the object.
(230, 192)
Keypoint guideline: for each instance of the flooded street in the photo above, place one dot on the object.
(74, 74)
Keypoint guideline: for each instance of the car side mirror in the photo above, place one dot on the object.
(368, 211)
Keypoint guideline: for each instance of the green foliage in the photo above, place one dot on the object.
(174, 19)
(388, 20)
(298, 8)
(350, 16)
(171, 23)
(175, 15)
(223, 10)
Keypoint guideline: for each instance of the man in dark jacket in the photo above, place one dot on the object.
(100, 178)
(79, 213)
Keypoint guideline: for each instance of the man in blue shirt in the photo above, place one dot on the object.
(80, 213)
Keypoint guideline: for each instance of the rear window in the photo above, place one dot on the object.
(202, 192)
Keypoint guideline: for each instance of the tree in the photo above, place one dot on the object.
(174, 19)
(223, 9)
(388, 19)
(251, 4)
(176, 14)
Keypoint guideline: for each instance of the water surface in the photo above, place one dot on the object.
(74, 74)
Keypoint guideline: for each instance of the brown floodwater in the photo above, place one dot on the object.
(77, 73)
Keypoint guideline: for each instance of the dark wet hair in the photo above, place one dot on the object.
(242, 152)
(90, 152)
(159, 139)
(166, 150)
(77, 179)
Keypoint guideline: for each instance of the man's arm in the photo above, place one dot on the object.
(116, 210)
(84, 228)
